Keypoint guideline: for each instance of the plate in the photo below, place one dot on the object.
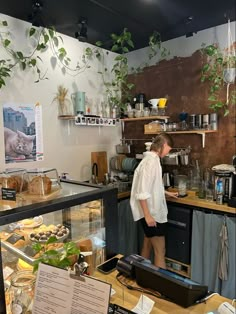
(31, 222)
(45, 235)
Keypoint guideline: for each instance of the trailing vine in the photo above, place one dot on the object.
(41, 39)
(118, 89)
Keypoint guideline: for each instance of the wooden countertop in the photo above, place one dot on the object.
(193, 200)
(129, 298)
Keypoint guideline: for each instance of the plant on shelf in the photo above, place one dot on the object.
(64, 104)
(220, 70)
(119, 89)
(62, 257)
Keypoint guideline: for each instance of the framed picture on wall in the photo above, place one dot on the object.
(23, 140)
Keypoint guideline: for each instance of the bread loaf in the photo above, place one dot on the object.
(40, 185)
(14, 182)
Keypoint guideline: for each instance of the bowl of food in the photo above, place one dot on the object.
(42, 236)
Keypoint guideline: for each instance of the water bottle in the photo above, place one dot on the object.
(219, 192)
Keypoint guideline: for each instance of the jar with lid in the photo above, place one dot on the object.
(21, 291)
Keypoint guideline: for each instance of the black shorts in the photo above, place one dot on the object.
(158, 231)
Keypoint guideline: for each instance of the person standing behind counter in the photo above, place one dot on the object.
(147, 199)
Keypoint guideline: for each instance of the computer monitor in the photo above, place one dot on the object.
(178, 289)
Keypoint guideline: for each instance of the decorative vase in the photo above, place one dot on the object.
(65, 107)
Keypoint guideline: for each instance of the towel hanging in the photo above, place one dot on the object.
(223, 262)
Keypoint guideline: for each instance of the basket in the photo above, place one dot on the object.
(152, 128)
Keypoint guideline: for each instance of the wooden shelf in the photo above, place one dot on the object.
(200, 132)
(146, 118)
(66, 117)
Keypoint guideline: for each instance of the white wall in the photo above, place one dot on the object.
(66, 147)
(185, 47)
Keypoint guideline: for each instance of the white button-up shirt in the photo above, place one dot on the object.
(148, 185)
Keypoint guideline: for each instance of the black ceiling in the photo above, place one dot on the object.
(171, 18)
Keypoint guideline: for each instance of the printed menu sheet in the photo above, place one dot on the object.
(56, 292)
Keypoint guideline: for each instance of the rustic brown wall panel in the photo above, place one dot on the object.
(179, 78)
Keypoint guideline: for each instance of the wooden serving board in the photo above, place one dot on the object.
(53, 194)
(100, 158)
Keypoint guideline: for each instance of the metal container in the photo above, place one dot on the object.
(192, 121)
(123, 148)
(205, 121)
(198, 121)
(213, 121)
(170, 159)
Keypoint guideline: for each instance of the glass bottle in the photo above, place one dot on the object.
(21, 291)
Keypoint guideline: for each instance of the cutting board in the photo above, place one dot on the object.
(100, 158)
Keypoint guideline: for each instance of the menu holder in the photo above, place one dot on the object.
(59, 291)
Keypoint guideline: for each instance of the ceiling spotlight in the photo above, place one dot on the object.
(36, 16)
(81, 34)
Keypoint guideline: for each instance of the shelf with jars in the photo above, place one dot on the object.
(165, 118)
(155, 129)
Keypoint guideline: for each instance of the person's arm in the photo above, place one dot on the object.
(172, 194)
(148, 217)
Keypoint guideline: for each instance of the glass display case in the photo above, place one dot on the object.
(82, 213)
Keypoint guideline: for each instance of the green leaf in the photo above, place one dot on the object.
(46, 38)
(23, 64)
(33, 62)
(98, 43)
(52, 239)
(32, 31)
(19, 55)
(6, 43)
(51, 32)
(115, 48)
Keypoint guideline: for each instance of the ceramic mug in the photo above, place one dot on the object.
(162, 102)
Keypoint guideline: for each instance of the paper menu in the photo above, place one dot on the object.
(57, 293)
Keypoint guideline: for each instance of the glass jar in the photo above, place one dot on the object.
(21, 291)
(182, 185)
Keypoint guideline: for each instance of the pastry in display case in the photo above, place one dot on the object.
(13, 179)
(42, 182)
(81, 214)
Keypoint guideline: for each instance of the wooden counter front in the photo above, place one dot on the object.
(129, 298)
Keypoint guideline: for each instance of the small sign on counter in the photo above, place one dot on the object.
(8, 194)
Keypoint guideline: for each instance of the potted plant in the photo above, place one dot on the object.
(63, 257)
(119, 89)
(220, 70)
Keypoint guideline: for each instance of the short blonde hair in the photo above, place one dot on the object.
(160, 140)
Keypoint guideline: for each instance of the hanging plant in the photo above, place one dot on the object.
(220, 70)
(40, 39)
(119, 90)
